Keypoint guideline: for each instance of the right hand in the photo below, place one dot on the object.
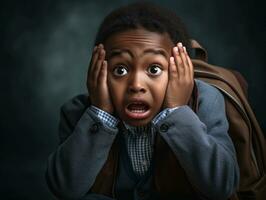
(97, 81)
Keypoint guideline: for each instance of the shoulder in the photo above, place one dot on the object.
(73, 109)
(211, 107)
(210, 100)
(78, 102)
(205, 89)
(208, 93)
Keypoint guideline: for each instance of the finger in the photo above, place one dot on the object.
(95, 67)
(98, 64)
(191, 67)
(178, 62)
(95, 58)
(182, 53)
(172, 69)
(95, 55)
(90, 75)
(102, 78)
(184, 60)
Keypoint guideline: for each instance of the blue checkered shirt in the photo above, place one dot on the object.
(139, 140)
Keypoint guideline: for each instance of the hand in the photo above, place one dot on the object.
(181, 78)
(97, 81)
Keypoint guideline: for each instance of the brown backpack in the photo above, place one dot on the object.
(244, 130)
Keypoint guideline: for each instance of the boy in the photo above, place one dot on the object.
(137, 136)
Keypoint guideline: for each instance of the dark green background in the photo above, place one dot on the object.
(46, 48)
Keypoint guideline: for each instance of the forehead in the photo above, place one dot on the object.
(140, 39)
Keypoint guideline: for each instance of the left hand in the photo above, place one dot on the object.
(181, 78)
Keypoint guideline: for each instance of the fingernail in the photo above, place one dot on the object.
(179, 44)
(101, 45)
(101, 52)
(171, 59)
(176, 49)
(185, 49)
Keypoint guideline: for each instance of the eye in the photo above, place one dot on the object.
(154, 69)
(120, 70)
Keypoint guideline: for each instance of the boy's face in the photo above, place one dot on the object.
(138, 73)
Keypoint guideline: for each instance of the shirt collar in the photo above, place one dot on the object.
(138, 130)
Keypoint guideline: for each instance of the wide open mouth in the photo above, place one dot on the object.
(137, 110)
(138, 107)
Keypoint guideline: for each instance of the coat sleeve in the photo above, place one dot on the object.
(202, 145)
(84, 146)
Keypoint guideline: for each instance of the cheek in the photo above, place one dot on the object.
(159, 90)
(116, 90)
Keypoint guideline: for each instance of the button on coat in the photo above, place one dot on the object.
(94, 128)
(164, 128)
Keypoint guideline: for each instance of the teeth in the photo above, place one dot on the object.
(137, 107)
(137, 111)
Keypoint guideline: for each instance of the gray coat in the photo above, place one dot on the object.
(200, 142)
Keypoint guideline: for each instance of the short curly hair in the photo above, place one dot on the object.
(149, 16)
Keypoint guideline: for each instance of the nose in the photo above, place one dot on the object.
(137, 83)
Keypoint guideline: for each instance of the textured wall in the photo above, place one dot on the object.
(46, 50)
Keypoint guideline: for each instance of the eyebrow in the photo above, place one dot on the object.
(115, 52)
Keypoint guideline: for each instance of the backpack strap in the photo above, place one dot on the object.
(244, 129)
(200, 52)
(242, 81)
